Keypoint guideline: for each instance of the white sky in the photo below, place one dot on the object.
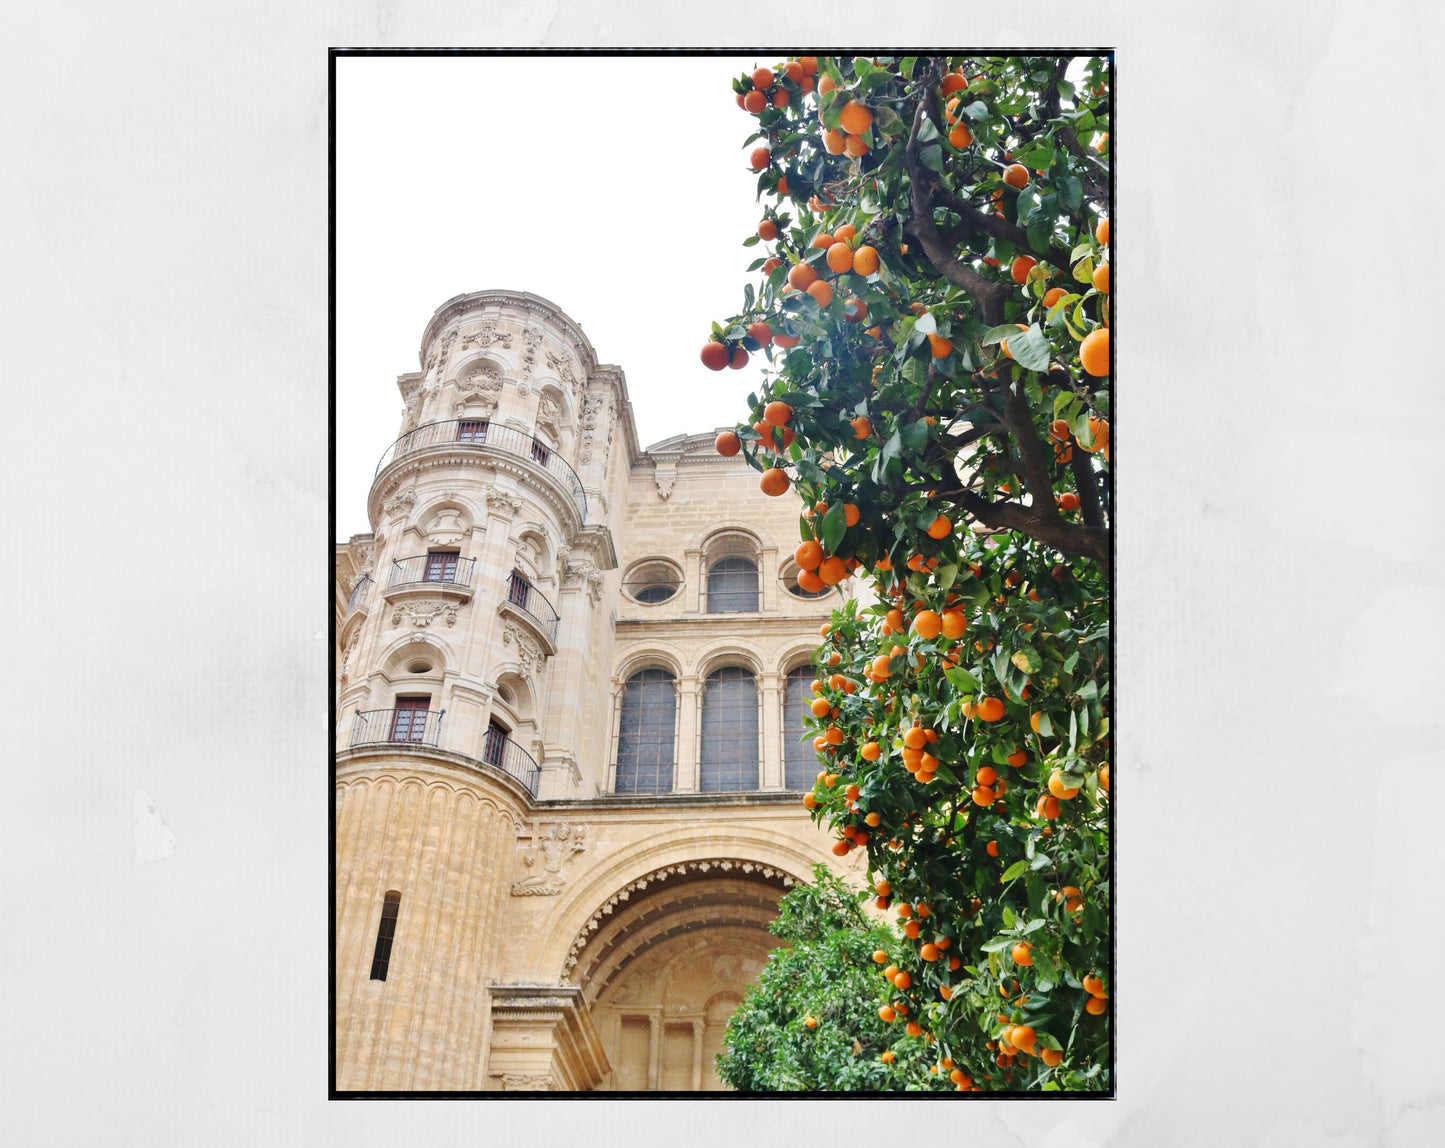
(616, 187)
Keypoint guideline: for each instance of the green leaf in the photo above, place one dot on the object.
(835, 525)
(931, 157)
(905, 66)
(1027, 659)
(1072, 191)
(1041, 861)
(1017, 869)
(1038, 923)
(999, 334)
(1008, 916)
(926, 324)
(976, 111)
(1031, 349)
(915, 434)
(889, 122)
(927, 131)
(961, 680)
(998, 944)
(1084, 271)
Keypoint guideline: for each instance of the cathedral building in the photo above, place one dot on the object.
(571, 675)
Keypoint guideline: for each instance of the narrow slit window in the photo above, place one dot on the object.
(540, 453)
(384, 934)
(800, 761)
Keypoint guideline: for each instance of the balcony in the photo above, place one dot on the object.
(534, 608)
(406, 725)
(501, 752)
(417, 727)
(428, 575)
(485, 435)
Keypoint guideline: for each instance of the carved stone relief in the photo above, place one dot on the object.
(562, 365)
(531, 341)
(529, 655)
(526, 1082)
(595, 410)
(549, 416)
(400, 505)
(484, 335)
(499, 501)
(555, 844)
(579, 571)
(424, 613)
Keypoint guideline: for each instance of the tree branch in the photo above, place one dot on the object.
(1087, 484)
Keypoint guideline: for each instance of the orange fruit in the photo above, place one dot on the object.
(781, 98)
(1094, 352)
(990, 709)
(760, 333)
(927, 625)
(832, 570)
(774, 482)
(845, 234)
(823, 240)
(728, 443)
(940, 527)
(854, 309)
(821, 707)
(755, 102)
(767, 230)
(714, 356)
(1101, 278)
(902, 981)
(1017, 758)
(1021, 267)
(826, 85)
(811, 1021)
(865, 260)
(1051, 1056)
(1048, 807)
(1101, 233)
(987, 775)
(960, 137)
(940, 346)
(871, 752)
(833, 141)
(1096, 1006)
(1021, 953)
(991, 848)
(953, 624)
(1059, 789)
(822, 291)
(1053, 295)
(887, 1057)
(1068, 501)
(953, 82)
(1016, 175)
(777, 412)
(760, 156)
(763, 78)
(808, 555)
(983, 796)
(840, 848)
(802, 276)
(855, 119)
(809, 581)
(862, 428)
(855, 146)
(887, 1014)
(839, 257)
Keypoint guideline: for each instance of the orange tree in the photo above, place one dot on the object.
(935, 311)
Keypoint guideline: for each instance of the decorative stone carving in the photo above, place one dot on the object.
(485, 334)
(594, 410)
(363, 555)
(526, 1082)
(549, 416)
(408, 385)
(501, 502)
(666, 478)
(531, 341)
(482, 385)
(529, 653)
(557, 844)
(400, 505)
(347, 651)
(411, 413)
(594, 923)
(446, 527)
(562, 365)
(423, 614)
(583, 570)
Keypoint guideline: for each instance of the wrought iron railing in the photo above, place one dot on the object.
(358, 592)
(410, 726)
(444, 569)
(483, 433)
(527, 598)
(501, 752)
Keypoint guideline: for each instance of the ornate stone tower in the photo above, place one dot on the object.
(569, 679)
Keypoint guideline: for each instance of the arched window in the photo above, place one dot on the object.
(645, 733)
(729, 757)
(800, 762)
(732, 586)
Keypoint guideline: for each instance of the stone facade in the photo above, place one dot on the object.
(526, 560)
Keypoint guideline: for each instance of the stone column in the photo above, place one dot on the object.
(685, 776)
(692, 581)
(654, 1051)
(543, 1039)
(769, 576)
(697, 1030)
(772, 730)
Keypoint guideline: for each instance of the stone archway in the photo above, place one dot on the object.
(664, 972)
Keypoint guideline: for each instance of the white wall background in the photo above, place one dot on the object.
(168, 560)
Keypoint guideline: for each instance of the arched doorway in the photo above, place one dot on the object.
(672, 961)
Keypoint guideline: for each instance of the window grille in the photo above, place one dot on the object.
(729, 730)
(800, 762)
(645, 733)
(495, 745)
(732, 586)
(472, 430)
